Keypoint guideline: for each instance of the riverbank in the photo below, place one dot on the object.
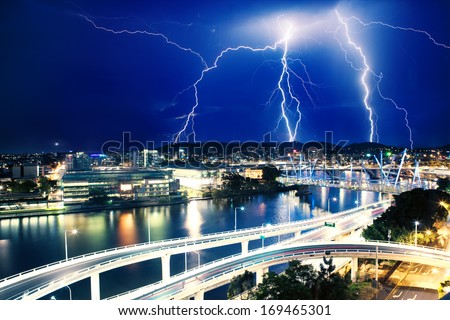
(263, 189)
(19, 213)
(129, 204)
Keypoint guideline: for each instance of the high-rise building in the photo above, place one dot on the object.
(25, 171)
(78, 161)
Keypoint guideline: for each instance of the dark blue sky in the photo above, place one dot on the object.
(64, 80)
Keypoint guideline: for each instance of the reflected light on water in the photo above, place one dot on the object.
(5, 254)
(126, 229)
(194, 220)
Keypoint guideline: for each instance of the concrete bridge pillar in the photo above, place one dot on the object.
(95, 286)
(165, 266)
(354, 269)
(259, 274)
(200, 294)
(297, 234)
(244, 246)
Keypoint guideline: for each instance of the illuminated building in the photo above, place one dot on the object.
(78, 161)
(254, 173)
(125, 183)
(198, 179)
(145, 158)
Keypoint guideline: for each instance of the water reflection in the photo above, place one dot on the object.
(36, 241)
(194, 220)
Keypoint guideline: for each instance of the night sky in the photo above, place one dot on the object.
(64, 80)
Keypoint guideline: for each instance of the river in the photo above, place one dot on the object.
(30, 242)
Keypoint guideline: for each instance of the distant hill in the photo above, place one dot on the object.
(370, 147)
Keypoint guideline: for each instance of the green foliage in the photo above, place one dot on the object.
(302, 282)
(415, 205)
(442, 287)
(99, 196)
(240, 283)
(236, 185)
(326, 268)
(270, 174)
(44, 185)
(443, 184)
(22, 186)
(233, 181)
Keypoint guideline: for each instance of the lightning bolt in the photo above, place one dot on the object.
(194, 86)
(284, 83)
(366, 71)
(288, 96)
(427, 34)
(379, 77)
(154, 34)
(411, 142)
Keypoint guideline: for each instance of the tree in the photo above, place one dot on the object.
(233, 181)
(303, 282)
(326, 268)
(240, 283)
(98, 196)
(330, 285)
(420, 205)
(270, 173)
(443, 184)
(22, 186)
(442, 287)
(295, 283)
(44, 185)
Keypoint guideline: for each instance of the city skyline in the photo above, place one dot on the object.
(81, 74)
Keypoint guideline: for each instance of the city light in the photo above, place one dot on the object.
(270, 89)
(73, 232)
(416, 223)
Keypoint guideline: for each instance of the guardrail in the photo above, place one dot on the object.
(183, 242)
(199, 240)
(258, 261)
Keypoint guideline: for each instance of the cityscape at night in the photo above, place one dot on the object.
(260, 150)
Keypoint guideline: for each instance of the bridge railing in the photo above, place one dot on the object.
(196, 240)
(180, 244)
(258, 261)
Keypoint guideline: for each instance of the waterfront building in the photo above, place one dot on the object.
(254, 173)
(198, 179)
(124, 183)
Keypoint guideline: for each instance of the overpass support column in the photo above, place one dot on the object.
(354, 269)
(244, 246)
(95, 286)
(165, 266)
(297, 234)
(200, 294)
(259, 274)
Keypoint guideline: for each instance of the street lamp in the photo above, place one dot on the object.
(334, 199)
(235, 216)
(70, 293)
(73, 231)
(416, 223)
(185, 255)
